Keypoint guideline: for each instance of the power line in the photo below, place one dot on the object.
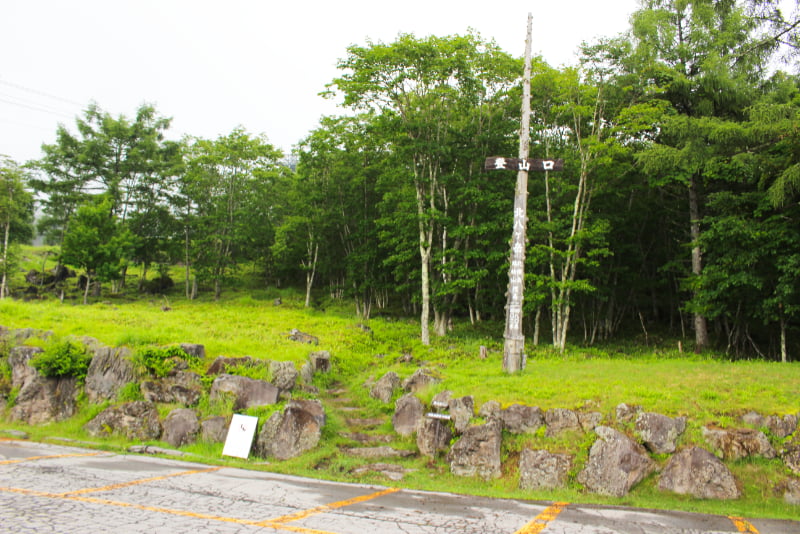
(40, 93)
(36, 108)
(56, 108)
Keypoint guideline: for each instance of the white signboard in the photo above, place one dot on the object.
(240, 436)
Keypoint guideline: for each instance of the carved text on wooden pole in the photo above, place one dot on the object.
(513, 356)
(517, 164)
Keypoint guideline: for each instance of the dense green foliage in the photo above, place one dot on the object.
(676, 211)
(159, 361)
(62, 358)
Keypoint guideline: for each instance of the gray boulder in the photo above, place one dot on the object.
(408, 411)
(616, 464)
(246, 392)
(782, 427)
(477, 452)
(521, 419)
(738, 443)
(284, 375)
(214, 429)
(17, 336)
(658, 432)
(441, 400)
(291, 432)
(22, 372)
(39, 399)
(490, 410)
(543, 470)
(302, 337)
(195, 350)
(110, 369)
(627, 412)
(791, 456)
(222, 364)
(320, 361)
(180, 427)
(384, 388)
(307, 374)
(183, 387)
(433, 435)
(791, 491)
(590, 420)
(754, 419)
(44, 400)
(421, 379)
(461, 411)
(136, 420)
(560, 420)
(697, 472)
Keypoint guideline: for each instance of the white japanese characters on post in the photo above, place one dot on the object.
(514, 339)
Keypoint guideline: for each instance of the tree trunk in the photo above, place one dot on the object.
(311, 270)
(425, 246)
(700, 325)
(425, 314)
(186, 264)
(784, 353)
(4, 282)
(86, 289)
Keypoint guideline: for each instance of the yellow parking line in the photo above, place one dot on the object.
(326, 507)
(541, 521)
(182, 513)
(135, 482)
(31, 458)
(743, 525)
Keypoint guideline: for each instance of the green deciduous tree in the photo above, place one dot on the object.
(127, 160)
(16, 215)
(422, 88)
(223, 190)
(97, 242)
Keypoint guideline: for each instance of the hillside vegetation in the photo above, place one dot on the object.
(704, 388)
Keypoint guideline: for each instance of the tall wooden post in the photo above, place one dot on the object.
(514, 344)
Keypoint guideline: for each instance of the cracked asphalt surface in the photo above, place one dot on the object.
(61, 489)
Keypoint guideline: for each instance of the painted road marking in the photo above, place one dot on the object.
(326, 507)
(32, 458)
(135, 482)
(743, 525)
(182, 513)
(541, 521)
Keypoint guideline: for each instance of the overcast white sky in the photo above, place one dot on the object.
(213, 65)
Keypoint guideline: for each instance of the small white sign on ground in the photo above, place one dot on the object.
(240, 436)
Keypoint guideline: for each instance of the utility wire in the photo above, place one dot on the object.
(21, 100)
(36, 108)
(40, 93)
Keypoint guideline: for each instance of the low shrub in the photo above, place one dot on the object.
(62, 358)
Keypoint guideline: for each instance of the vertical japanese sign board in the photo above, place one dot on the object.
(514, 339)
(240, 436)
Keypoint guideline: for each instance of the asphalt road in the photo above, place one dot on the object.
(59, 489)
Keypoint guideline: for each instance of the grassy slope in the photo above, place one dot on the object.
(702, 388)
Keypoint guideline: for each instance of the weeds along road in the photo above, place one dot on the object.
(59, 489)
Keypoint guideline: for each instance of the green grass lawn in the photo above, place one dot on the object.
(703, 388)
